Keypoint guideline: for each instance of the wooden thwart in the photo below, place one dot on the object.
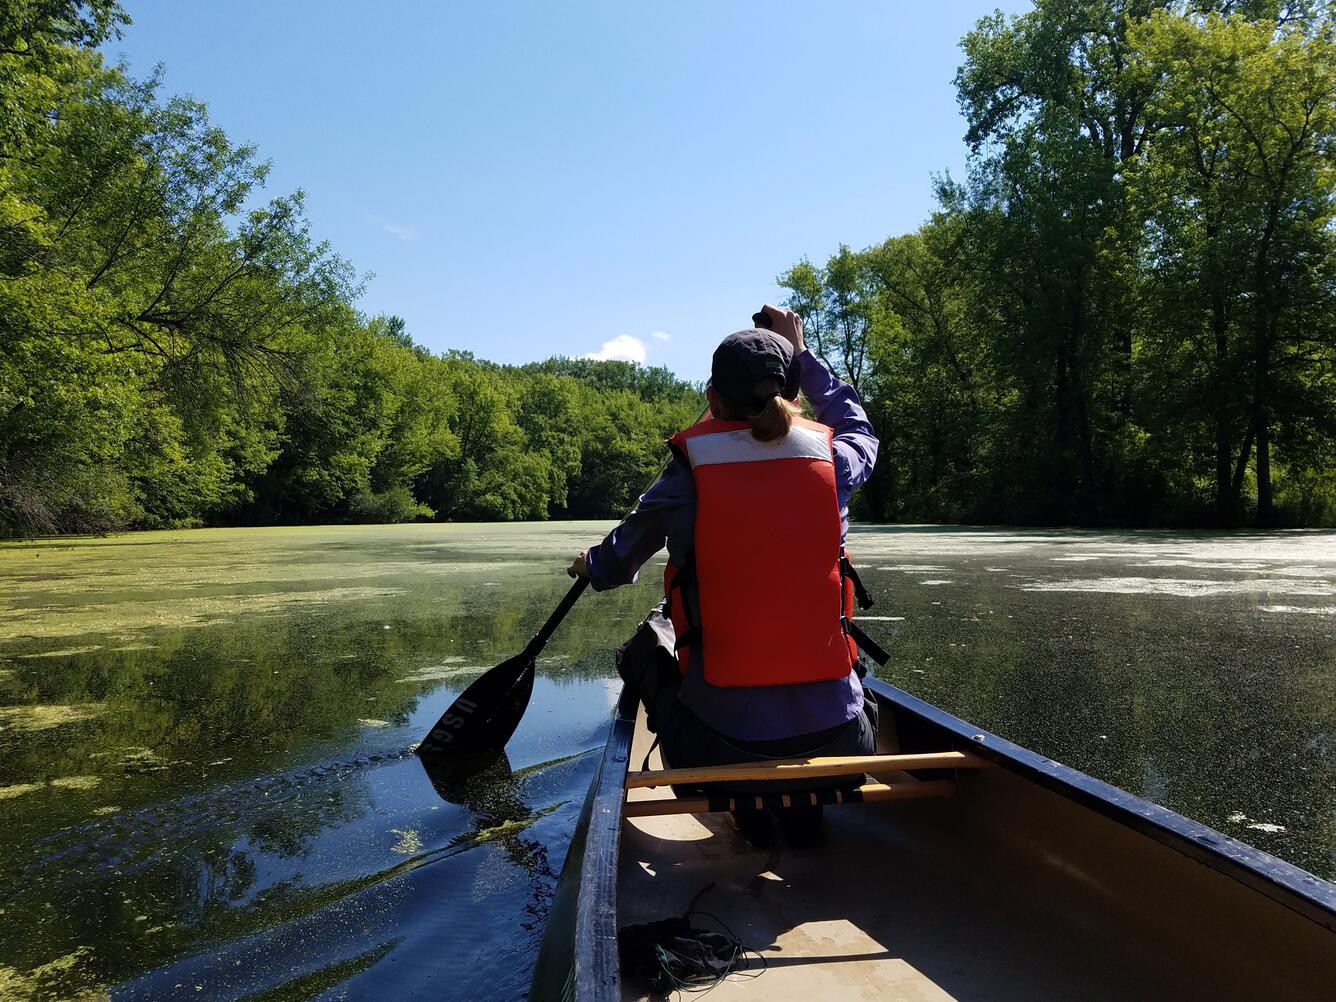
(718, 805)
(806, 768)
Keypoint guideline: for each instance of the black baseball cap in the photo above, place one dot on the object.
(747, 359)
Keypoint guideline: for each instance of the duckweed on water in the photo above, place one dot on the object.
(1187, 587)
(134, 759)
(409, 842)
(41, 717)
(44, 983)
(439, 673)
(67, 652)
(141, 658)
(60, 783)
(217, 684)
(506, 829)
(76, 782)
(18, 790)
(182, 611)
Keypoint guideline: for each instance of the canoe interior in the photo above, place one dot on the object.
(1033, 882)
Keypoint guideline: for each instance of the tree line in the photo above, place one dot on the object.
(174, 355)
(1125, 312)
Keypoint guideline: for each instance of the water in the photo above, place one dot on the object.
(207, 791)
(1197, 670)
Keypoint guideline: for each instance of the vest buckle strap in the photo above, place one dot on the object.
(865, 599)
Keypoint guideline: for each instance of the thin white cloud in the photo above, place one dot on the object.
(660, 335)
(400, 231)
(622, 348)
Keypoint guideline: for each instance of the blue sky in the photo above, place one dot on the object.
(535, 179)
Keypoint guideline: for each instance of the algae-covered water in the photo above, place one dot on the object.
(206, 782)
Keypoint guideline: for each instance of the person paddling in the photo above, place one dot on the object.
(753, 507)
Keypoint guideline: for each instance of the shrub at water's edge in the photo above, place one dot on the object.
(394, 505)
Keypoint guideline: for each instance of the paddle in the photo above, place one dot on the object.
(475, 729)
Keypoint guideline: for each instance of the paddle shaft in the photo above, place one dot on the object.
(541, 638)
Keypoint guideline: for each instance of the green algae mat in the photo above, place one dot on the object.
(207, 787)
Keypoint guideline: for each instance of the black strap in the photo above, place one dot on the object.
(685, 578)
(865, 599)
(866, 643)
(847, 625)
(689, 638)
(644, 766)
(685, 575)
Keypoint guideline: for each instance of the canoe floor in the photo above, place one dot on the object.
(919, 900)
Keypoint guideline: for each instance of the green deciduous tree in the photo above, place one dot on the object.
(1124, 312)
(176, 351)
(835, 302)
(1238, 192)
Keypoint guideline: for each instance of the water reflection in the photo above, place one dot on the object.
(216, 809)
(207, 786)
(494, 798)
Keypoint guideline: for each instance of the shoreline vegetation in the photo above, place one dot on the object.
(1123, 315)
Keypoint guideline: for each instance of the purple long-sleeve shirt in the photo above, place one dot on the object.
(667, 513)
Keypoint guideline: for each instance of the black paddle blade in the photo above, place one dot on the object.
(480, 722)
(474, 782)
(476, 727)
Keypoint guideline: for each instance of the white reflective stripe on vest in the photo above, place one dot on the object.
(743, 447)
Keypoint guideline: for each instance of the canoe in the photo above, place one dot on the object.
(999, 874)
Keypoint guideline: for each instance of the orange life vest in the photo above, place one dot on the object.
(767, 560)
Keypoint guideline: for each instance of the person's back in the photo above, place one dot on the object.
(767, 512)
(753, 659)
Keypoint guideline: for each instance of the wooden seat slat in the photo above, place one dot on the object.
(806, 768)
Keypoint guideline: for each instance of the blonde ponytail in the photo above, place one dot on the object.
(773, 420)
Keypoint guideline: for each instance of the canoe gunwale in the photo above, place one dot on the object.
(595, 972)
(1286, 884)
